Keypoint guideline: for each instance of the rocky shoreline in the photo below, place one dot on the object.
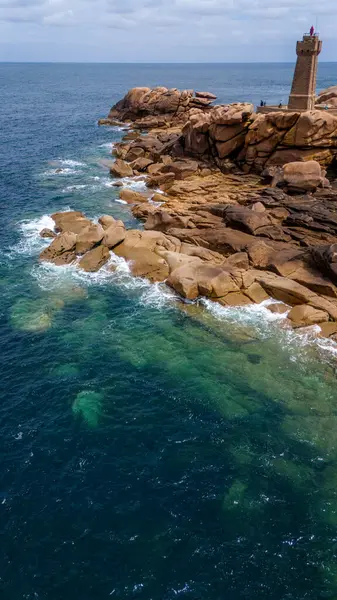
(239, 207)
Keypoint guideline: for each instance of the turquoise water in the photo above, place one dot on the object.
(150, 449)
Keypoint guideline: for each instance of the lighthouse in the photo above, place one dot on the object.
(303, 90)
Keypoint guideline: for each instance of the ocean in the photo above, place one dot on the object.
(150, 449)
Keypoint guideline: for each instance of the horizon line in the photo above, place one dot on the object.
(82, 62)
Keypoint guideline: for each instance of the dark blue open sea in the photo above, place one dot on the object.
(149, 450)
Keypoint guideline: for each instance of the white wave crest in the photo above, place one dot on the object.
(105, 182)
(158, 295)
(267, 324)
(251, 314)
(122, 127)
(71, 163)
(51, 277)
(59, 171)
(109, 145)
(74, 188)
(63, 168)
(134, 183)
(115, 272)
(31, 241)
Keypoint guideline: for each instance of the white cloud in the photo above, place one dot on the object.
(59, 18)
(163, 24)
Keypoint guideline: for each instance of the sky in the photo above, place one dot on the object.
(162, 30)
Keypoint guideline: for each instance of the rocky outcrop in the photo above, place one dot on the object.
(217, 261)
(132, 197)
(219, 133)
(301, 177)
(169, 104)
(72, 221)
(94, 259)
(304, 315)
(212, 227)
(328, 97)
(121, 169)
(47, 233)
(106, 221)
(198, 279)
(139, 248)
(325, 258)
(62, 249)
(88, 238)
(222, 134)
(114, 235)
(279, 138)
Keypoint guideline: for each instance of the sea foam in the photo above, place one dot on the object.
(267, 324)
(64, 167)
(31, 242)
(71, 163)
(109, 145)
(115, 272)
(251, 314)
(74, 188)
(134, 183)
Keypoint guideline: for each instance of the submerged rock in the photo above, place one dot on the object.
(67, 371)
(88, 406)
(31, 316)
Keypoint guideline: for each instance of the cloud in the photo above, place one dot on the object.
(34, 11)
(58, 18)
(165, 26)
(19, 3)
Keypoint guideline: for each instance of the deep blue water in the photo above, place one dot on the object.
(148, 449)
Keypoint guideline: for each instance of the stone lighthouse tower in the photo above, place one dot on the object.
(303, 91)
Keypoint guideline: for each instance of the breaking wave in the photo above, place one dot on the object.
(269, 325)
(31, 242)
